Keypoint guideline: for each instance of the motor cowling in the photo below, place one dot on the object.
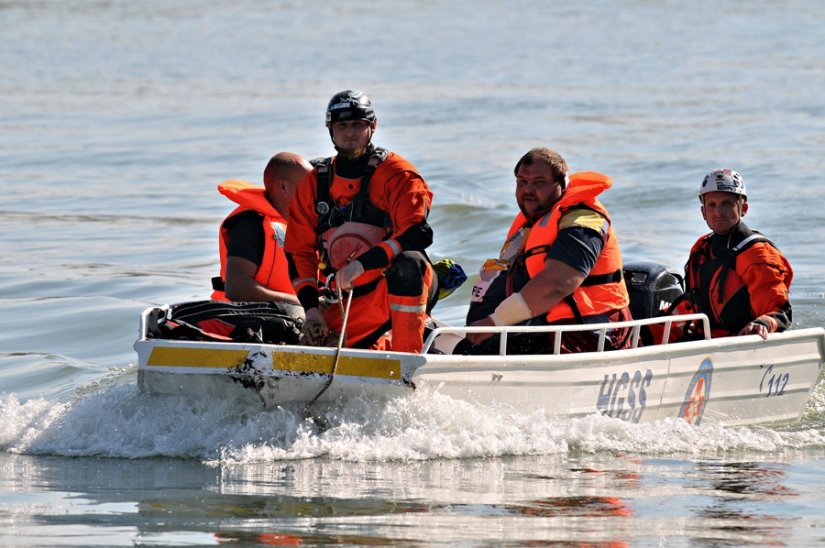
(652, 288)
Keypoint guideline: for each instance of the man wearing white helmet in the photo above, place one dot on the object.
(734, 275)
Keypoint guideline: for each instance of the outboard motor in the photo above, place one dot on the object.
(652, 288)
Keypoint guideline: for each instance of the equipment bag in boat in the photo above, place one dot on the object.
(450, 277)
(218, 321)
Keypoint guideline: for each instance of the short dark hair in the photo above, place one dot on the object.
(556, 161)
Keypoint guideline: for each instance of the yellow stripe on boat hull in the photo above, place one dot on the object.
(196, 357)
(295, 362)
(355, 366)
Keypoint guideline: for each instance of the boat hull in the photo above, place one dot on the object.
(276, 375)
(732, 381)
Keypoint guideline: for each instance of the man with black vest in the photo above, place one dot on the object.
(734, 275)
(359, 219)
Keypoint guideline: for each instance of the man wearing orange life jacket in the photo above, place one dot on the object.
(560, 264)
(734, 275)
(362, 216)
(253, 263)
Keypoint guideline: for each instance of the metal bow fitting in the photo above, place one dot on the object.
(331, 294)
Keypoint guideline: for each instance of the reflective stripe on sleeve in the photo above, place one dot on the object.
(412, 309)
(301, 282)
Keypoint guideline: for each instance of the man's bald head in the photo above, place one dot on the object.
(281, 176)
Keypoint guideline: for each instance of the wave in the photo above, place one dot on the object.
(115, 420)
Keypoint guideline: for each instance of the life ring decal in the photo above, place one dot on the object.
(698, 394)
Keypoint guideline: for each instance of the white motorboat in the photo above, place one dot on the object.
(732, 381)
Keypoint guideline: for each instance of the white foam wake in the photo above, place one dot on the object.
(118, 421)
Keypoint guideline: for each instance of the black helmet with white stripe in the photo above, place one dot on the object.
(349, 105)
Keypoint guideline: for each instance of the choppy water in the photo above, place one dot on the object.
(117, 121)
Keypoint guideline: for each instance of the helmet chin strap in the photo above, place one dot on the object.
(366, 149)
(353, 156)
(363, 152)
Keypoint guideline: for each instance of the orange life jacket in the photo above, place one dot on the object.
(604, 289)
(273, 271)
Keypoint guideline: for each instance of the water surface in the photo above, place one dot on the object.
(119, 119)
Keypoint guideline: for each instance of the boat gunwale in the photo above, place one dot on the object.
(603, 328)
(673, 348)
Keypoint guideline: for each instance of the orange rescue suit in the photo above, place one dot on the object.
(738, 278)
(395, 188)
(604, 289)
(273, 271)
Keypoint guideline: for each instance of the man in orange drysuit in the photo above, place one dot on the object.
(560, 264)
(253, 263)
(735, 276)
(362, 216)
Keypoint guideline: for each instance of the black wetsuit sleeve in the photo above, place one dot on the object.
(783, 318)
(308, 297)
(246, 237)
(416, 238)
